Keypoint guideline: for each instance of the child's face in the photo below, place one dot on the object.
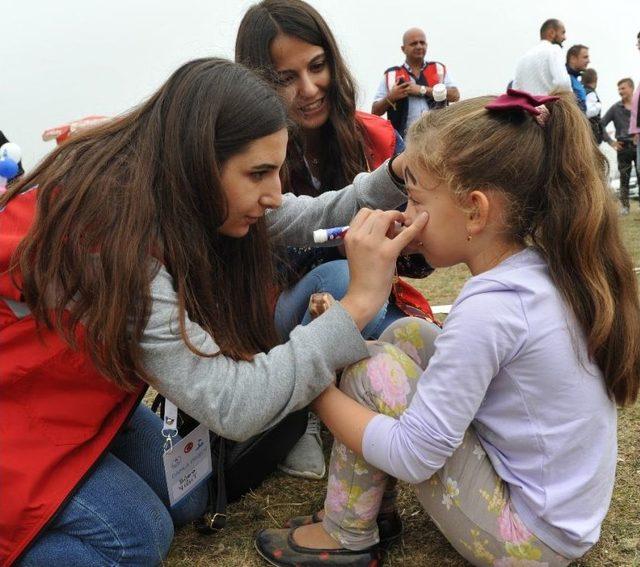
(444, 238)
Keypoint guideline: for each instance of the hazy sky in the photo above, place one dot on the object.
(67, 59)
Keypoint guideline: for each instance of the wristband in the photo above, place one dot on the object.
(397, 180)
(391, 104)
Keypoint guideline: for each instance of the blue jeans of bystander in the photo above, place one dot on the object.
(331, 277)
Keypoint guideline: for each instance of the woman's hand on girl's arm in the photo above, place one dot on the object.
(372, 250)
(344, 417)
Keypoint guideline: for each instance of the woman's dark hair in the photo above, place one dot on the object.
(344, 153)
(145, 185)
(554, 179)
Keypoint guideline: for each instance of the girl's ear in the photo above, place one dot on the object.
(478, 205)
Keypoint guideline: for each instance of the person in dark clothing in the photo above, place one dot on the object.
(620, 114)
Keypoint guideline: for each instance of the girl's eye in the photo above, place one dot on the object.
(257, 175)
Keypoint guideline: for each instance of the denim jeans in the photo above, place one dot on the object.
(120, 513)
(330, 277)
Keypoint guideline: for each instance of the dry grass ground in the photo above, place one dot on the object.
(281, 496)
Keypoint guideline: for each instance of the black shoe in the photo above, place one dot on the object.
(389, 525)
(278, 548)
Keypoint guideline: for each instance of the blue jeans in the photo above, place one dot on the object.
(331, 277)
(120, 513)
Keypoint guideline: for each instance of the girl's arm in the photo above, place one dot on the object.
(344, 417)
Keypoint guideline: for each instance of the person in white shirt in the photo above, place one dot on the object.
(542, 70)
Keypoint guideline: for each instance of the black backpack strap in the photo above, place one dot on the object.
(215, 518)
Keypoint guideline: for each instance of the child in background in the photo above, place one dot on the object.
(594, 105)
(508, 431)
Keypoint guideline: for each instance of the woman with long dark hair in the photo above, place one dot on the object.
(134, 254)
(290, 44)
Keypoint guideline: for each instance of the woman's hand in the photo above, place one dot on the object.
(372, 249)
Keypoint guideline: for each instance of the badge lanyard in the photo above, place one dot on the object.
(169, 425)
(188, 462)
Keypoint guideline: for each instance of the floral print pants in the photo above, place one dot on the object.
(466, 499)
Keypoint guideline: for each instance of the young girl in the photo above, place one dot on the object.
(508, 432)
(290, 42)
(136, 253)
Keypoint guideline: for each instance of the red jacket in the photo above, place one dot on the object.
(59, 415)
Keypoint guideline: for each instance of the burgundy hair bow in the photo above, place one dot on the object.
(534, 105)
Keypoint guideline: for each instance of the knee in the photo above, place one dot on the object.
(153, 535)
(415, 337)
(333, 278)
(382, 382)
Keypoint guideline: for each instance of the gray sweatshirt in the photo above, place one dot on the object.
(238, 399)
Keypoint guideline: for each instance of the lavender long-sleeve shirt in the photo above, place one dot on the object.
(512, 361)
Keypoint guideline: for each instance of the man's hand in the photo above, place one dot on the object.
(617, 146)
(399, 91)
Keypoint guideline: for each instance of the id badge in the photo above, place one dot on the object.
(187, 464)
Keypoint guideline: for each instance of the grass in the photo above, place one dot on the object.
(281, 497)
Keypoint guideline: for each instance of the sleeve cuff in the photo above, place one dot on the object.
(375, 442)
(342, 341)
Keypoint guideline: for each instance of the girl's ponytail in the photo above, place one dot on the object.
(577, 229)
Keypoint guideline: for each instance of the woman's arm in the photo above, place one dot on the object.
(238, 399)
(294, 222)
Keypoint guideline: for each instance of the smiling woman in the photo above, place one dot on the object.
(304, 78)
(332, 142)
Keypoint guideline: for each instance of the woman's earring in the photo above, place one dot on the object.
(468, 238)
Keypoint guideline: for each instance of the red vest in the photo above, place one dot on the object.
(432, 74)
(380, 138)
(58, 414)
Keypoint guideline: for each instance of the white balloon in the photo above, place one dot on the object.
(12, 151)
